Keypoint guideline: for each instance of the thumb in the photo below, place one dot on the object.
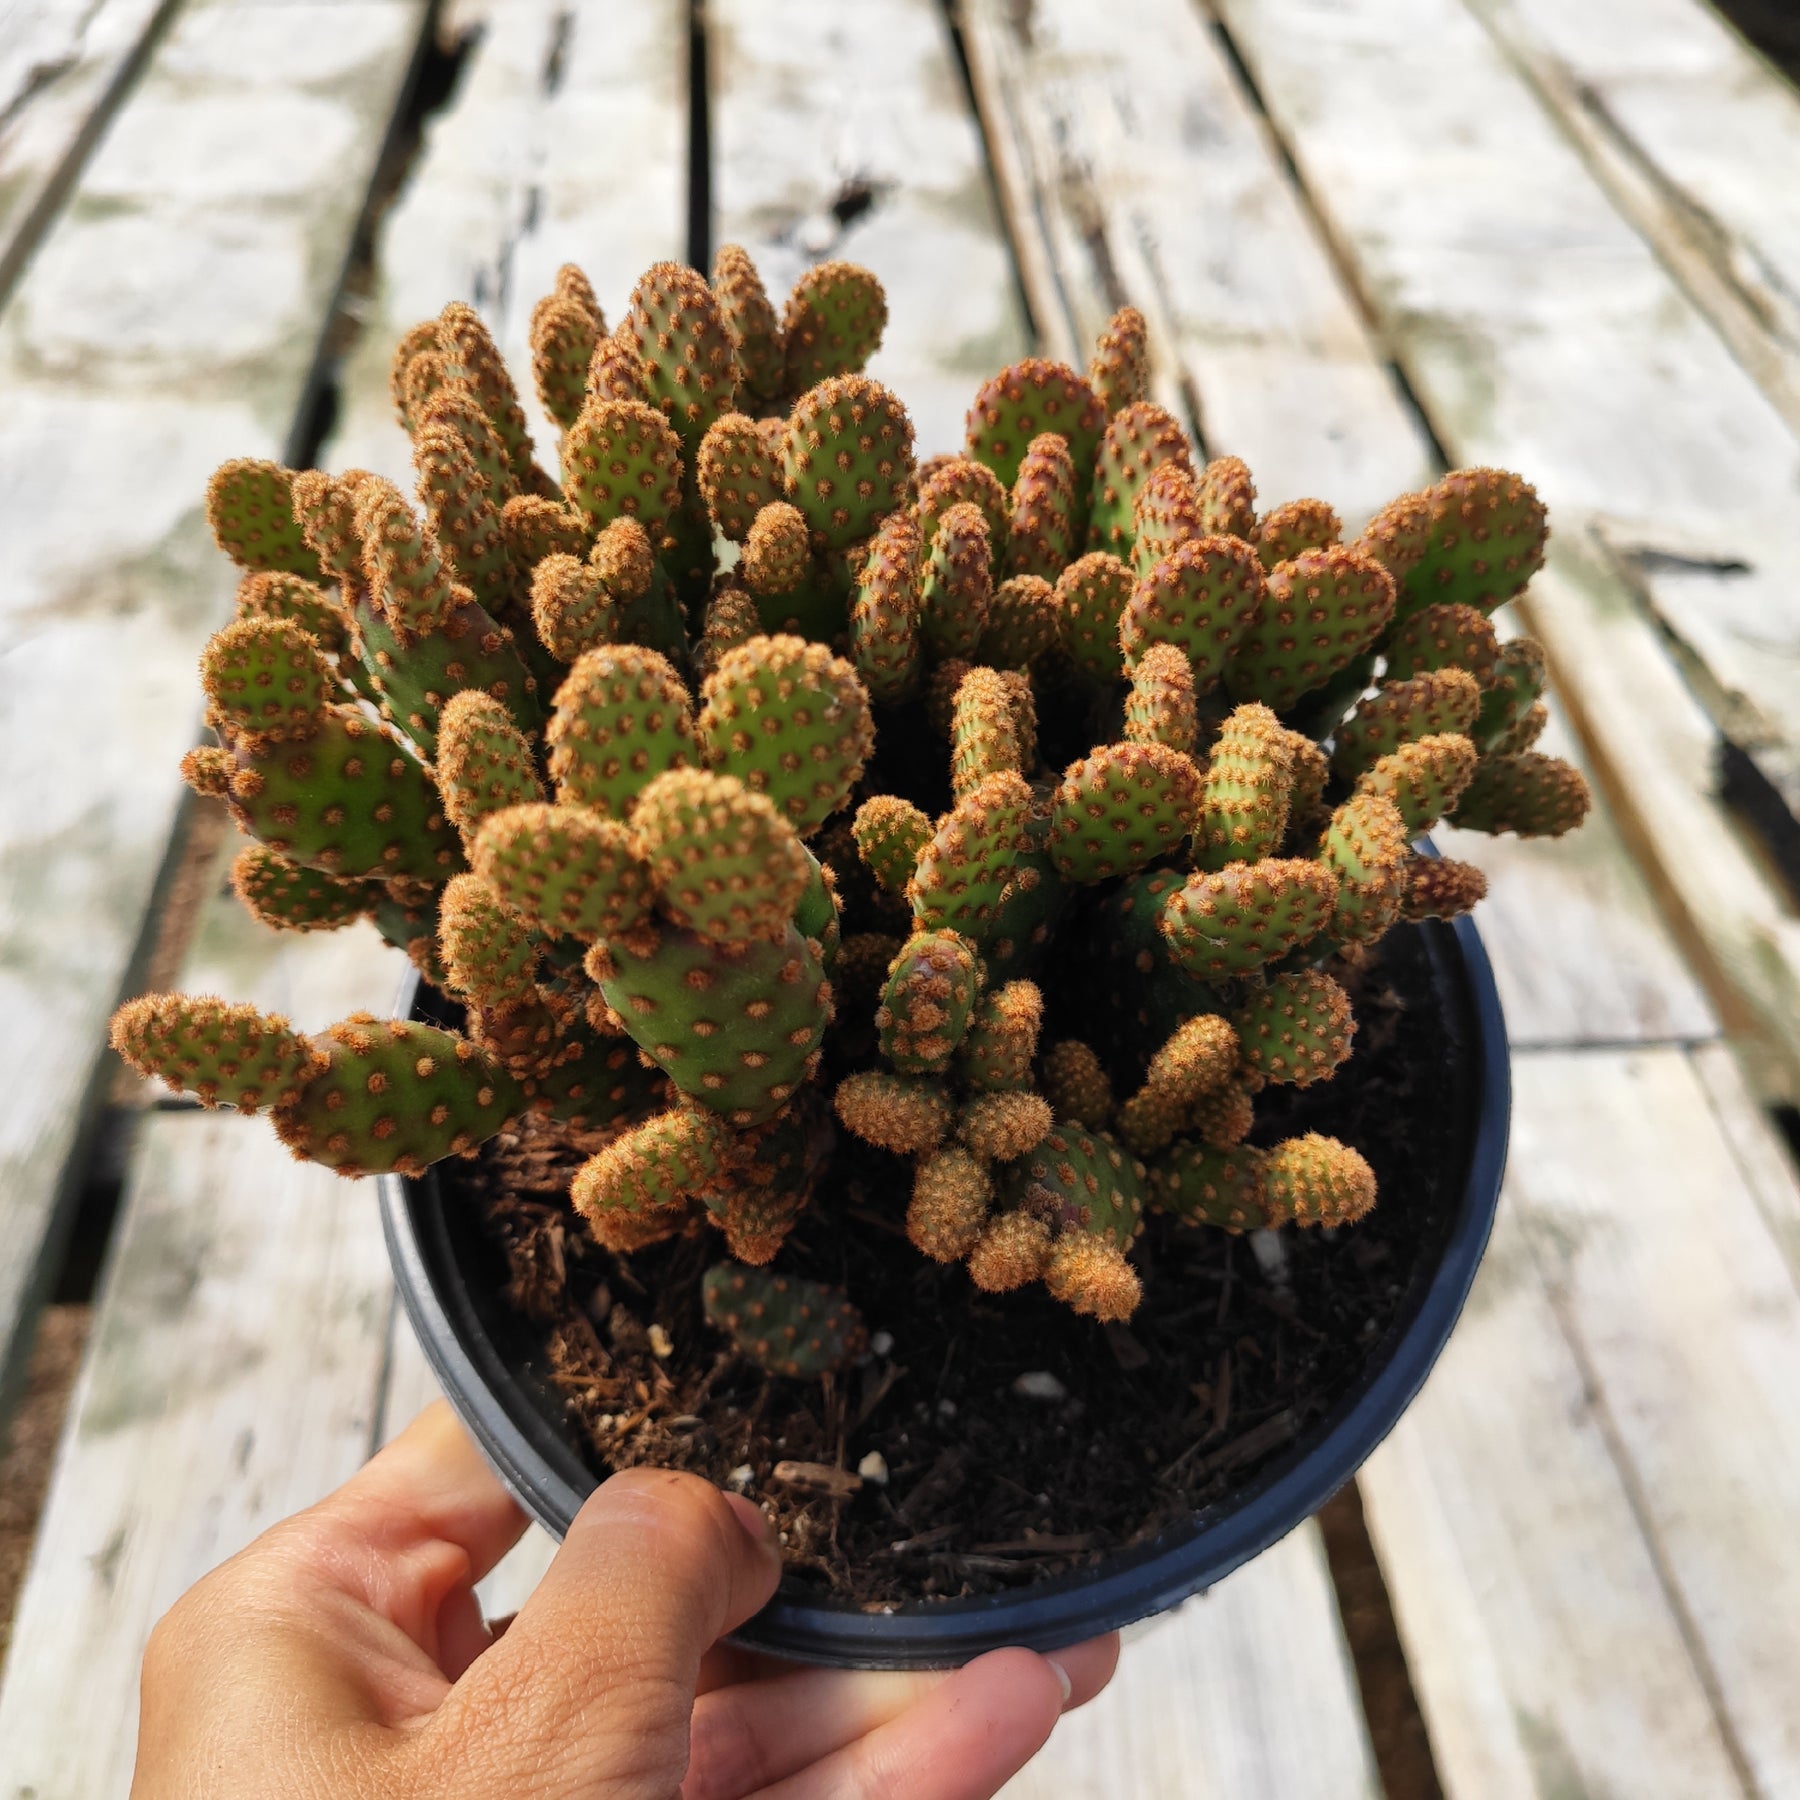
(591, 1689)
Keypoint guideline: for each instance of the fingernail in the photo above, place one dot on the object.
(756, 1526)
(1062, 1679)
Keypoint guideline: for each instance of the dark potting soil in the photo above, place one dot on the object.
(1018, 1439)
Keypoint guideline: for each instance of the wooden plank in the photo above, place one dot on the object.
(813, 102)
(230, 1381)
(64, 67)
(1686, 127)
(244, 152)
(1246, 1691)
(1542, 1645)
(1144, 135)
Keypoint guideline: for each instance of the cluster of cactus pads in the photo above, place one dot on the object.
(600, 750)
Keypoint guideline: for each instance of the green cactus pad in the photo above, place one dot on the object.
(1397, 537)
(1160, 708)
(484, 762)
(653, 1169)
(1400, 712)
(996, 1051)
(408, 390)
(890, 834)
(349, 799)
(572, 608)
(816, 912)
(724, 862)
(1440, 887)
(1077, 1182)
(1531, 794)
(777, 553)
(223, 1054)
(593, 1083)
(847, 458)
(325, 511)
(1200, 1055)
(410, 586)
(1478, 540)
(769, 1184)
(962, 874)
(272, 594)
(286, 897)
(984, 738)
(1029, 398)
(885, 614)
(1510, 690)
(1315, 1180)
(1523, 732)
(563, 337)
(1023, 621)
(1119, 369)
(750, 318)
(1322, 610)
(265, 678)
(926, 1001)
(1140, 438)
(679, 333)
(250, 507)
(1249, 782)
(622, 459)
(1223, 1118)
(1239, 919)
(902, 1113)
(621, 718)
(1366, 843)
(731, 619)
(1091, 596)
(734, 1026)
(455, 407)
(618, 373)
(1076, 1084)
(1043, 537)
(396, 1097)
(565, 870)
(832, 324)
(791, 721)
(785, 1326)
(489, 955)
(948, 481)
(737, 474)
(1286, 531)
(1203, 597)
(1423, 779)
(1165, 514)
(1120, 808)
(956, 586)
(535, 528)
(1208, 1186)
(1227, 498)
(1295, 1028)
(471, 356)
(463, 517)
(1444, 636)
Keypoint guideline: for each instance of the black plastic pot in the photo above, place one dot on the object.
(479, 1351)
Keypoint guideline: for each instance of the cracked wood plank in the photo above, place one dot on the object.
(245, 152)
(845, 131)
(1246, 1691)
(1153, 178)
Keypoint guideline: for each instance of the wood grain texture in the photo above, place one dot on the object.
(1246, 1692)
(245, 151)
(812, 102)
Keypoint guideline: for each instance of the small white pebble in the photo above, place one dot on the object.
(1270, 1252)
(882, 1342)
(873, 1467)
(1039, 1384)
(740, 1477)
(946, 1409)
(661, 1344)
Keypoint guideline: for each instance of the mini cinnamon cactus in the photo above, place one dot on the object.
(773, 804)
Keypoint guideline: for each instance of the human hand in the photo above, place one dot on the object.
(343, 1655)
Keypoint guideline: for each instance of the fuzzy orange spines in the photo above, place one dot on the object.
(736, 474)
(1041, 538)
(1294, 1028)
(624, 559)
(952, 1192)
(1200, 1055)
(755, 330)
(1119, 370)
(1440, 887)
(1227, 498)
(483, 761)
(325, 511)
(1160, 708)
(983, 733)
(637, 1190)
(535, 527)
(1315, 1180)
(890, 833)
(489, 957)
(777, 554)
(402, 562)
(1222, 1116)
(571, 607)
(1531, 794)
(1010, 1253)
(1295, 526)
(996, 1052)
(566, 328)
(274, 594)
(471, 355)
(1004, 1126)
(1424, 779)
(902, 1113)
(1092, 1278)
(223, 1054)
(1249, 779)
(926, 1002)
(265, 679)
(1077, 1085)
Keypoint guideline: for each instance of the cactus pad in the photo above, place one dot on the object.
(1206, 1185)
(996, 1051)
(1440, 887)
(1139, 439)
(952, 1192)
(563, 869)
(1299, 525)
(958, 481)
(1091, 596)
(1322, 609)
(832, 324)
(1315, 1180)
(1042, 537)
(621, 717)
(1475, 538)
(489, 956)
(737, 475)
(1423, 779)
(1076, 1084)
(1444, 636)
(1202, 597)
(1531, 794)
(1025, 400)
(1200, 1055)
(1003, 1127)
(1399, 712)
(679, 333)
(1165, 514)
(622, 459)
(250, 507)
(483, 761)
(902, 1113)
(1241, 918)
(798, 1329)
(266, 678)
(1296, 1028)
(926, 1002)
(956, 585)
(847, 458)
(962, 874)
(1366, 844)
(1078, 1182)
(225, 1055)
(1119, 370)
(1249, 780)
(885, 615)
(1227, 498)
(1120, 808)
(287, 897)
(1161, 708)
(890, 833)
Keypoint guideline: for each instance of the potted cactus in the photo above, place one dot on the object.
(864, 907)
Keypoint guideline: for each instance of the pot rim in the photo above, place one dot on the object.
(542, 1469)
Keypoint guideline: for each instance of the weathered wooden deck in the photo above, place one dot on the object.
(1373, 237)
